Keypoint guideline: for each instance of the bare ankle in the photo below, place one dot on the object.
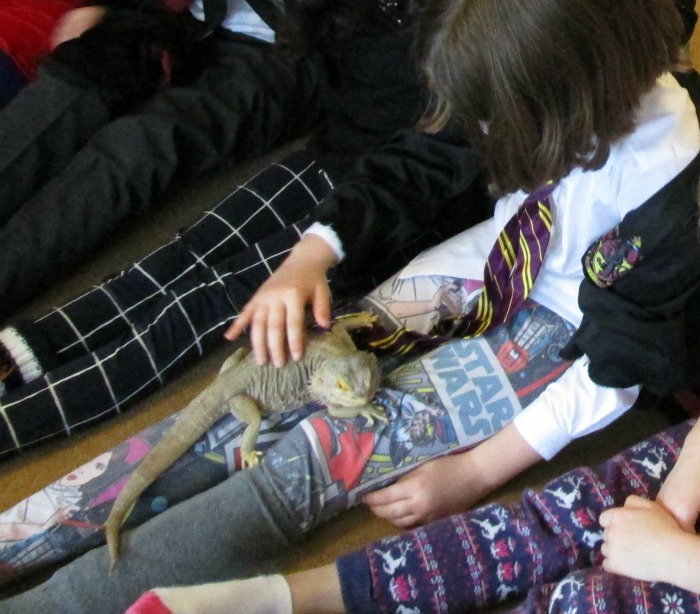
(316, 590)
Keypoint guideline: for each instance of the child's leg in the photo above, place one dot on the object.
(41, 129)
(280, 195)
(594, 591)
(11, 79)
(313, 592)
(227, 531)
(478, 559)
(187, 322)
(242, 104)
(184, 321)
(323, 466)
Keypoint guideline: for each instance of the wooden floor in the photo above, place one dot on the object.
(23, 475)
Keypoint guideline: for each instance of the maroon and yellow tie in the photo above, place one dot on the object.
(509, 274)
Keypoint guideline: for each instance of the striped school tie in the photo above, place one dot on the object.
(512, 265)
(509, 274)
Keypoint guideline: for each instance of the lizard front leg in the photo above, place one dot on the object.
(247, 410)
(371, 412)
(339, 330)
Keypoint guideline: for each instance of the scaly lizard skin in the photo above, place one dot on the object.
(332, 371)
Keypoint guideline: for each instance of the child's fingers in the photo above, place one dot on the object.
(258, 335)
(399, 513)
(322, 306)
(637, 502)
(276, 334)
(633, 502)
(295, 330)
(606, 518)
(407, 520)
(386, 496)
(239, 325)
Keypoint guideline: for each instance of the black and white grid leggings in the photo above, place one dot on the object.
(119, 341)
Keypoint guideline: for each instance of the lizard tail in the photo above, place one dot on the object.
(190, 425)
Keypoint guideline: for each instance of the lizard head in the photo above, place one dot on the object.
(346, 381)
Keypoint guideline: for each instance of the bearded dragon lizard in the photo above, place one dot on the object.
(332, 371)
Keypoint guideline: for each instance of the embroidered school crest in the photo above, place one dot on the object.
(610, 257)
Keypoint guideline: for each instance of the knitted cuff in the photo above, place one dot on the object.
(18, 364)
(355, 582)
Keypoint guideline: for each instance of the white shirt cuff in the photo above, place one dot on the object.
(571, 407)
(329, 236)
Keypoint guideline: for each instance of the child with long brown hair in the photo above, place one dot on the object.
(603, 130)
(575, 96)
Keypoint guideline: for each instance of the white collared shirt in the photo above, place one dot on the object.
(585, 205)
(241, 18)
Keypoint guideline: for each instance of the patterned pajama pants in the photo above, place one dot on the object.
(546, 549)
(123, 338)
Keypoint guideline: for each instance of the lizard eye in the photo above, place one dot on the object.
(342, 385)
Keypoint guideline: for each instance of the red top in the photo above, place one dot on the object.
(25, 29)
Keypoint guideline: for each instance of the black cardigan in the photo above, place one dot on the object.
(645, 327)
(388, 191)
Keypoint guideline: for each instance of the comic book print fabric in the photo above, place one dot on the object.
(448, 400)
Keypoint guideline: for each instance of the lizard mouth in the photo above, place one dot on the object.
(353, 402)
(343, 400)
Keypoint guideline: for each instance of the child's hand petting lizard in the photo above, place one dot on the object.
(276, 312)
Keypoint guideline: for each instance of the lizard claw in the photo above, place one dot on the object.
(251, 459)
(372, 413)
(361, 319)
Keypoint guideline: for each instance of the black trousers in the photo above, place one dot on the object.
(70, 172)
(121, 340)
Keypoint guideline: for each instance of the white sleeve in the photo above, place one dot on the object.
(329, 236)
(571, 407)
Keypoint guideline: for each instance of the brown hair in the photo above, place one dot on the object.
(544, 86)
